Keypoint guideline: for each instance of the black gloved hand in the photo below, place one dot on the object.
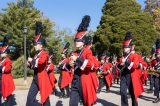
(127, 63)
(60, 67)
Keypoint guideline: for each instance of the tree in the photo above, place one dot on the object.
(153, 8)
(65, 35)
(55, 43)
(18, 15)
(120, 16)
(13, 19)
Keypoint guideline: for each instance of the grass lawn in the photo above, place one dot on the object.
(22, 85)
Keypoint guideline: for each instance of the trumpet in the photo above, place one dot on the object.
(154, 72)
(100, 74)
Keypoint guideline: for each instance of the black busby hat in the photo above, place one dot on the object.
(38, 38)
(88, 40)
(158, 46)
(81, 31)
(5, 47)
(144, 53)
(127, 40)
(105, 55)
(64, 51)
(51, 53)
(153, 51)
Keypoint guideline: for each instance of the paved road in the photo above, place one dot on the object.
(111, 98)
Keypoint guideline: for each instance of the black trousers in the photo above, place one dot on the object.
(114, 73)
(102, 83)
(151, 79)
(9, 101)
(63, 89)
(126, 83)
(76, 92)
(67, 90)
(156, 85)
(0, 91)
(33, 91)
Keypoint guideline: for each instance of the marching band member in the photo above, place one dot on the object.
(106, 72)
(50, 70)
(41, 81)
(7, 86)
(88, 43)
(155, 65)
(65, 76)
(82, 86)
(129, 63)
(150, 77)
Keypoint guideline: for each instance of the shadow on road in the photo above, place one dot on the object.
(115, 86)
(146, 98)
(111, 91)
(105, 103)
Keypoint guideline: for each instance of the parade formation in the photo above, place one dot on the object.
(83, 72)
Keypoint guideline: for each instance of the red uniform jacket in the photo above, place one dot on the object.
(117, 71)
(143, 64)
(89, 94)
(153, 63)
(66, 75)
(7, 81)
(50, 69)
(144, 72)
(93, 73)
(109, 77)
(44, 83)
(135, 75)
(140, 64)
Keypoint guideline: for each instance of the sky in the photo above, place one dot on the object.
(68, 13)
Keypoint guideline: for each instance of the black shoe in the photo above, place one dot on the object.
(156, 100)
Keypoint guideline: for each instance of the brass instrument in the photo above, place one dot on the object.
(100, 74)
(124, 62)
(154, 72)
